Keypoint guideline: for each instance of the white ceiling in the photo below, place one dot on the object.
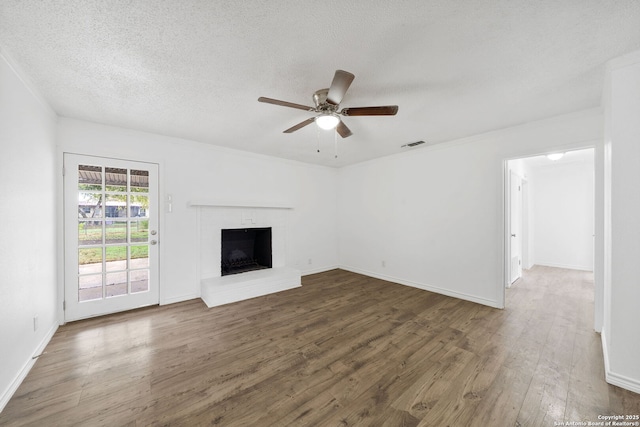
(195, 68)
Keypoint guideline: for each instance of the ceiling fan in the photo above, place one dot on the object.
(327, 103)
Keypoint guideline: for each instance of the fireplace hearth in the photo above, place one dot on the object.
(245, 249)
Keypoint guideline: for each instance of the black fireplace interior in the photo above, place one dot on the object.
(245, 249)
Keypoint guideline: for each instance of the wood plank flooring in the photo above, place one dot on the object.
(342, 350)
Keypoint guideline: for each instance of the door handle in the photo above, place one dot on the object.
(154, 242)
(513, 235)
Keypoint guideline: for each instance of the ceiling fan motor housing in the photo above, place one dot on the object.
(320, 100)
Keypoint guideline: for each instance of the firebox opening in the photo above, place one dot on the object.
(245, 249)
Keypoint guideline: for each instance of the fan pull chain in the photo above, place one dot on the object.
(335, 142)
(318, 137)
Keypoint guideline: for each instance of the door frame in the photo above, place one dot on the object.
(60, 212)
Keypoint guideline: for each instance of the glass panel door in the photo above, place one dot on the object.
(111, 217)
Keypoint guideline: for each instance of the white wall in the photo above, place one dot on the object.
(564, 215)
(27, 227)
(621, 340)
(435, 214)
(191, 171)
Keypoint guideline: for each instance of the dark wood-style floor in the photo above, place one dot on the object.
(342, 350)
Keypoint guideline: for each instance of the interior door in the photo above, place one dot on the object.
(515, 227)
(111, 223)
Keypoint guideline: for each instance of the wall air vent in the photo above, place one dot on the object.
(412, 144)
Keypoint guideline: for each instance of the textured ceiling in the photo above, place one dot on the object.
(195, 69)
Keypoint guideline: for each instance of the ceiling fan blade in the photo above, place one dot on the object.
(343, 130)
(341, 82)
(387, 110)
(285, 104)
(300, 125)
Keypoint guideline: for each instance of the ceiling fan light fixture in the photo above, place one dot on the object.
(327, 121)
(555, 156)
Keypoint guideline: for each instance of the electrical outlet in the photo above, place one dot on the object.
(383, 263)
(35, 323)
(309, 261)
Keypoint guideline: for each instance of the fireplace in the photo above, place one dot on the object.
(245, 249)
(217, 219)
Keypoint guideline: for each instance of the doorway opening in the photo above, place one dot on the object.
(549, 214)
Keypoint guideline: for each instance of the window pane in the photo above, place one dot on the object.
(115, 179)
(89, 260)
(116, 258)
(116, 284)
(140, 256)
(139, 181)
(139, 280)
(139, 206)
(139, 231)
(89, 287)
(89, 177)
(89, 205)
(116, 206)
(115, 232)
(90, 232)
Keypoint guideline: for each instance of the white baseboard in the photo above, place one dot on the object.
(9, 392)
(566, 266)
(613, 378)
(424, 286)
(319, 270)
(180, 298)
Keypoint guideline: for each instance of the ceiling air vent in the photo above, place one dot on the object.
(412, 144)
